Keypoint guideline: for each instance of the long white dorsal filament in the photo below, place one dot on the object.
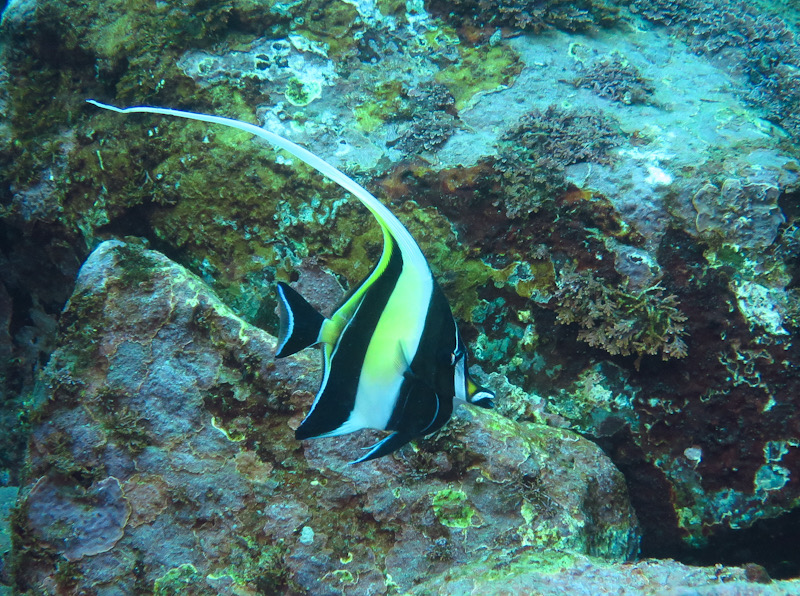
(385, 217)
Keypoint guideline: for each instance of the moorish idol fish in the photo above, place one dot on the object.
(392, 355)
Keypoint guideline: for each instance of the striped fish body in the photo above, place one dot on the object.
(393, 357)
(390, 368)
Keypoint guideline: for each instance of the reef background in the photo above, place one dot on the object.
(607, 193)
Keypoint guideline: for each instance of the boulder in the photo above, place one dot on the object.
(163, 460)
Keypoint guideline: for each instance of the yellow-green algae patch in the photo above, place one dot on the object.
(452, 508)
(386, 102)
(480, 69)
(254, 568)
(328, 23)
(543, 535)
(177, 580)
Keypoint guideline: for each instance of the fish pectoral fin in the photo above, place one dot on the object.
(384, 447)
(300, 323)
(412, 376)
(418, 383)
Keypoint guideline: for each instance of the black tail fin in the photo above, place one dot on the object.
(300, 322)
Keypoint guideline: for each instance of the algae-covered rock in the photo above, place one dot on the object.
(163, 460)
(555, 574)
(646, 148)
(8, 496)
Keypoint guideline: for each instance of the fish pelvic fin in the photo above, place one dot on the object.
(384, 447)
(300, 323)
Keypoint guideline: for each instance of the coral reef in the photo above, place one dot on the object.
(421, 102)
(234, 502)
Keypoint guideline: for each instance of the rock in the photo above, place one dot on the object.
(8, 496)
(391, 94)
(554, 574)
(163, 459)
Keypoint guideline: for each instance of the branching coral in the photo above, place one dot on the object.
(533, 155)
(614, 78)
(644, 322)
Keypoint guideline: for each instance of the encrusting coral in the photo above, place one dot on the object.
(643, 322)
(746, 214)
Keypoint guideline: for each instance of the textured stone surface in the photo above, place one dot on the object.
(164, 456)
(555, 574)
(421, 109)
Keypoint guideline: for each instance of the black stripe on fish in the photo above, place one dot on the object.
(337, 399)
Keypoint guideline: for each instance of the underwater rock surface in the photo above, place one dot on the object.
(163, 456)
(607, 192)
(555, 574)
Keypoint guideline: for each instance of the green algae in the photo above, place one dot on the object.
(547, 562)
(543, 536)
(184, 579)
(386, 102)
(333, 24)
(67, 575)
(138, 270)
(480, 69)
(255, 567)
(599, 402)
(125, 426)
(79, 324)
(502, 425)
(452, 508)
(345, 576)
(301, 93)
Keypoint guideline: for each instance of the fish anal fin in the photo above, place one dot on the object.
(315, 427)
(300, 323)
(384, 447)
